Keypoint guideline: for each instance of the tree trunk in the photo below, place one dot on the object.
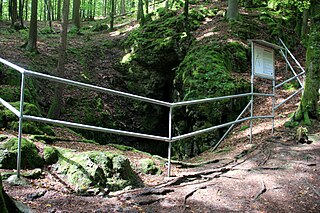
(14, 13)
(21, 13)
(76, 14)
(105, 8)
(3, 207)
(309, 106)
(26, 10)
(112, 12)
(304, 25)
(140, 15)
(33, 34)
(57, 102)
(186, 15)
(233, 10)
(59, 10)
(48, 9)
(1, 9)
(123, 7)
(146, 2)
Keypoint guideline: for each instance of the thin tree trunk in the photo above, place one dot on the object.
(57, 102)
(112, 12)
(140, 15)
(304, 27)
(186, 15)
(21, 3)
(76, 14)
(233, 10)
(123, 7)
(1, 9)
(33, 31)
(48, 10)
(105, 8)
(14, 13)
(26, 10)
(146, 3)
(59, 10)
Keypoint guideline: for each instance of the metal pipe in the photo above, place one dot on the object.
(170, 145)
(207, 100)
(293, 71)
(188, 135)
(100, 129)
(227, 132)
(273, 101)
(289, 79)
(251, 82)
(16, 67)
(97, 88)
(295, 60)
(10, 107)
(287, 99)
(20, 124)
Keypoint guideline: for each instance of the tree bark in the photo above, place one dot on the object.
(304, 26)
(14, 13)
(309, 107)
(112, 13)
(33, 31)
(1, 9)
(76, 14)
(233, 10)
(21, 13)
(186, 15)
(140, 15)
(59, 10)
(123, 7)
(57, 102)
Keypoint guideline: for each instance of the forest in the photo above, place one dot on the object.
(150, 69)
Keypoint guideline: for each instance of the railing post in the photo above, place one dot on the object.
(170, 143)
(273, 100)
(20, 124)
(252, 79)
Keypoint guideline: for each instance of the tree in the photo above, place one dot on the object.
(112, 13)
(309, 107)
(1, 9)
(57, 102)
(31, 44)
(21, 13)
(76, 14)
(140, 15)
(233, 10)
(186, 15)
(14, 12)
(59, 10)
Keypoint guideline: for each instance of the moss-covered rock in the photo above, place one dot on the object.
(10, 120)
(30, 157)
(95, 169)
(3, 207)
(206, 72)
(50, 155)
(148, 166)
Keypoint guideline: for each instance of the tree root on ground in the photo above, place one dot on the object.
(262, 190)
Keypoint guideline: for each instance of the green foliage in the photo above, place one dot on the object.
(10, 120)
(291, 86)
(29, 155)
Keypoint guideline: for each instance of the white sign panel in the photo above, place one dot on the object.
(263, 61)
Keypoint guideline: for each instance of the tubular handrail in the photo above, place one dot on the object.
(10, 107)
(292, 56)
(16, 67)
(289, 79)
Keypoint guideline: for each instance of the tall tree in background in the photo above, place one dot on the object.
(14, 12)
(21, 13)
(123, 7)
(31, 44)
(140, 15)
(57, 102)
(186, 15)
(309, 106)
(1, 9)
(59, 10)
(233, 10)
(76, 15)
(112, 13)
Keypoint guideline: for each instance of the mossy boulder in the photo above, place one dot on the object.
(30, 157)
(148, 166)
(95, 169)
(204, 73)
(50, 155)
(10, 120)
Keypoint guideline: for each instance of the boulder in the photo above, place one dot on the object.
(148, 166)
(30, 158)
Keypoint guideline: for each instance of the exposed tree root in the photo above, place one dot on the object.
(312, 187)
(262, 190)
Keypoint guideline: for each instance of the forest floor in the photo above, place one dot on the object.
(273, 173)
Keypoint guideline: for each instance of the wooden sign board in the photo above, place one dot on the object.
(263, 61)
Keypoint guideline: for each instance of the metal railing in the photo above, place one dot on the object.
(171, 106)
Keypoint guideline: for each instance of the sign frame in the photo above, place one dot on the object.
(263, 61)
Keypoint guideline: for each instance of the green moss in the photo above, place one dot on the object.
(30, 158)
(148, 166)
(50, 155)
(9, 120)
